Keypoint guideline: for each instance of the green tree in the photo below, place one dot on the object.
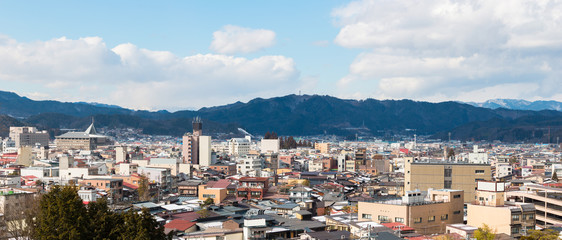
(484, 233)
(140, 227)
(204, 213)
(103, 222)
(62, 215)
(554, 176)
(208, 201)
(547, 234)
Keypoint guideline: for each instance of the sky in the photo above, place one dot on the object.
(176, 55)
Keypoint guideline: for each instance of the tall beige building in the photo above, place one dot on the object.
(427, 214)
(195, 146)
(445, 175)
(29, 136)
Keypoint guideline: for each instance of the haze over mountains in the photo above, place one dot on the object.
(300, 115)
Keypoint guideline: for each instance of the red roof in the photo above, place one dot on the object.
(221, 183)
(253, 179)
(131, 186)
(397, 226)
(179, 224)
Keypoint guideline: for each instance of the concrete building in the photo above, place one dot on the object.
(445, 175)
(426, 215)
(13, 199)
(29, 136)
(322, 147)
(478, 156)
(120, 154)
(547, 201)
(113, 186)
(249, 165)
(252, 187)
(161, 176)
(502, 170)
(215, 190)
(269, 146)
(87, 140)
(489, 208)
(239, 146)
(205, 151)
(196, 148)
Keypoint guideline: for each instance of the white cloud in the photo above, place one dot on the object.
(234, 39)
(86, 69)
(452, 50)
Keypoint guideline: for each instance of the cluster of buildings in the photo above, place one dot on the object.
(242, 188)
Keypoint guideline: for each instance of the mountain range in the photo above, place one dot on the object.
(518, 104)
(298, 115)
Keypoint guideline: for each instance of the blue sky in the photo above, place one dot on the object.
(190, 54)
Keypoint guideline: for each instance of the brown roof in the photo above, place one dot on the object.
(179, 224)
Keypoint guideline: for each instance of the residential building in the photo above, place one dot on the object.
(426, 215)
(215, 190)
(445, 175)
(249, 165)
(205, 151)
(489, 208)
(322, 147)
(252, 187)
(546, 200)
(113, 186)
(190, 145)
(239, 146)
(228, 169)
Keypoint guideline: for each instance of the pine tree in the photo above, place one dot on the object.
(554, 176)
(62, 215)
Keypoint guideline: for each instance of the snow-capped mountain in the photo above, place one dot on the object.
(518, 104)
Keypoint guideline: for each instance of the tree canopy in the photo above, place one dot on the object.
(62, 215)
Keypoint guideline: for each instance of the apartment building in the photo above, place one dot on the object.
(445, 175)
(547, 202)
(426, 212)
(252, 187)
(489, 207)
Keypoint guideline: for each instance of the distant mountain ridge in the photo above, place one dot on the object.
(296, 115)
(518, 104)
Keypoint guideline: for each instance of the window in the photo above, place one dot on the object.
(457, 212)
(399, 219)
(383, 218)
(457, 196)
(431, 219)
(530, 216)
(515, 217)
(417, 220)
(514, 230)
(366, 216)
(208, 196)
(256, 193)
(445, 217)
(448, 172)
(447, 184)
(479, 171)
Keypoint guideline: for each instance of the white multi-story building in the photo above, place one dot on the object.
(503, 169)
(249, 165)
(269, 145)
(478, 156)
(205, 151)
(238, 146)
